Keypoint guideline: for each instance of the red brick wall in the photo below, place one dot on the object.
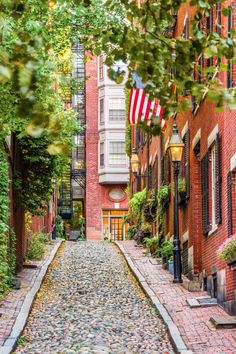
(96, 194)
(206, 118)
(93, 191)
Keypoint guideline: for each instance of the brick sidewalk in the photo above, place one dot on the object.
(193, 323)
(10, 306)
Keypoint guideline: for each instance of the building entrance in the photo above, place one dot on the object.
(113, 226)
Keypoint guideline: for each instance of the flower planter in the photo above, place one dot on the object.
(232, 259)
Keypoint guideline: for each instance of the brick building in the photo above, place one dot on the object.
(106, 160)
(207, 212)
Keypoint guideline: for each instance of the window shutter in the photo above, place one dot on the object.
(137, 137)
(218, 180)
(187, 163)
(139, 183)
(155, 174)
(218, 17)
(150, 178)
(229, 200)
(205, 193)
(167, 171)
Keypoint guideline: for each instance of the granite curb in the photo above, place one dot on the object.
(22, 317)
(173, 330)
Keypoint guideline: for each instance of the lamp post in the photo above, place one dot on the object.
(176, 146)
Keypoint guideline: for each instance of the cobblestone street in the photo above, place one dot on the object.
(90, 303)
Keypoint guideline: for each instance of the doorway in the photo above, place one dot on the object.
(116, 228)
(113, 225)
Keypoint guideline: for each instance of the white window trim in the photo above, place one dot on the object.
(109, 152)
(213, 185)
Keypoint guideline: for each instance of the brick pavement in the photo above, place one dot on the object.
(11, 304)
(193, 323)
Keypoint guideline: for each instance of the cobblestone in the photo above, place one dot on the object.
(11, 304)
(90, 303)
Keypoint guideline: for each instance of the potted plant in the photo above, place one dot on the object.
(166, 251)
(227, 251)
(146, 229)
(132, 230)
(163, 195)
(152, 244)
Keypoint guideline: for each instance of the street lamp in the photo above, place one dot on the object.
(176, 146)
(134, 162)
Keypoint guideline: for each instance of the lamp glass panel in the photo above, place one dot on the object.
(176, 153)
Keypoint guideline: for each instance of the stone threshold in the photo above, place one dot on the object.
(20, 322)
(202, 301)
(223, 321)
(173, 331)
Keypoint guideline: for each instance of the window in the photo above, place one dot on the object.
(211, 187)
(101, 68)
(117, 111)
(102, 110)
(117, 155)
(101, 154)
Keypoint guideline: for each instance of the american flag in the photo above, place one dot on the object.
(141, 109)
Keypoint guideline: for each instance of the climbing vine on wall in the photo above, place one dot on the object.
(128, 132)
(7, 236)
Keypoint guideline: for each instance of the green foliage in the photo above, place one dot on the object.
(132, 230)
(146, 227)
(59, 226)
(152, 244)
(181, 184)
(162, 194)
(139, 38)
(137, 203)
(36, 249)
(82, 227)
(167, 249)
(128, 129)
(7, 236)
(21, 340)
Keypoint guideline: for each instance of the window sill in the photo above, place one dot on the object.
(212, 231)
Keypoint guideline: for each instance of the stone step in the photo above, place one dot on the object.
(202, 301)
(223, 321)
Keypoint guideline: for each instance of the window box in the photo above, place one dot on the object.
(232, 259)
(227, 251)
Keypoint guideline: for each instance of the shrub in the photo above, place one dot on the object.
(167, 249)
(131, 232)
(152, 244)
(36, 249)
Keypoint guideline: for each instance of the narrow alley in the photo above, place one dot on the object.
(90, 303)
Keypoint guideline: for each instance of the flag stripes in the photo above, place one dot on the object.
(141, 109)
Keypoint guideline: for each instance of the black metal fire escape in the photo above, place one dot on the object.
(78, 172)
(73, 182)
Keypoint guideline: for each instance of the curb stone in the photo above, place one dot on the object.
(22, 317)
(173, 331)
